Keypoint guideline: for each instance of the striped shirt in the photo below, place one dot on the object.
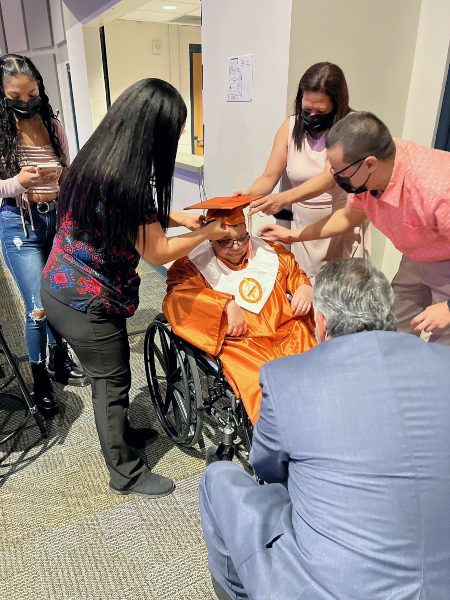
(32, 155)
(36, 155)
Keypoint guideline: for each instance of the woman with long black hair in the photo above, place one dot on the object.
(30, 135)
(114, 208)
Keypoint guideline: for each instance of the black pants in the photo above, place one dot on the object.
(100, 341)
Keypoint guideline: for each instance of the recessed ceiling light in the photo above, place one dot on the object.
(170, 7)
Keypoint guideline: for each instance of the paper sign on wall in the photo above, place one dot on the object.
(240, 78)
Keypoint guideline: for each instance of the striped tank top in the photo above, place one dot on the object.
(40, 155)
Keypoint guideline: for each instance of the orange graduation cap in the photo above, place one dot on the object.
(230, 208)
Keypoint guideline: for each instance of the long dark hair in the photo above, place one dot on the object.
(127, 164)
(13, 65)
(329, 79)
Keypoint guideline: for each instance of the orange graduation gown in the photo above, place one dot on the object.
(195, 312)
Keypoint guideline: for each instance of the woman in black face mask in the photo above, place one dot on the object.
(299, 149)
(33, 156)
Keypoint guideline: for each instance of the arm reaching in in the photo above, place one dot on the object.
(192, 221)
(157, 249)
(337, 223)
(312, 188)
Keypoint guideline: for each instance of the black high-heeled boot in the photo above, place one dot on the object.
(43, 393)
(63, 369)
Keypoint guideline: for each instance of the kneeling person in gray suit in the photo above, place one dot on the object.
(354, 442)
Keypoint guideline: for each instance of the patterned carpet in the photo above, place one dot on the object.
(64, 536)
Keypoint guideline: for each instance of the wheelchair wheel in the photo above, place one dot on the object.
(174, 383)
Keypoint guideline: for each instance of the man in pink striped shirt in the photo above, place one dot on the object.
(404, 189)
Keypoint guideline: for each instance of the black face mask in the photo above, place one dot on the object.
(317, 123)
(344, 182)
(25, 110)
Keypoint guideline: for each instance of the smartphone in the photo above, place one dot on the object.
(48, 166)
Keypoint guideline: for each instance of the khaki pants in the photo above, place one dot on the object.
(416, 286)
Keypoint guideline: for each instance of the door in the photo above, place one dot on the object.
(196, 78)
(443, 131)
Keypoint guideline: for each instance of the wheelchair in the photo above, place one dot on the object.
(186, 385)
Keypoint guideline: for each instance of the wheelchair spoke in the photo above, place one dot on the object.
(166, 349)
(175, 389)
(159, 355)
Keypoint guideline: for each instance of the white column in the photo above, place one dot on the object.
(80, 83)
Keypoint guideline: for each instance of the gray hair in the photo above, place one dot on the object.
(361, 134)
(354, 296)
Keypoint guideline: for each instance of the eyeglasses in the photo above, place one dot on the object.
(229, 243)
(334, 172)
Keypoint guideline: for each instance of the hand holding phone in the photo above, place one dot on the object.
(49, 171)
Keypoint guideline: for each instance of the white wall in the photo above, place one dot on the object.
(239, 136)
(96, 80)
(428, 77)
(80, 83)
(130, 58)
(429, 72)
(374, 44)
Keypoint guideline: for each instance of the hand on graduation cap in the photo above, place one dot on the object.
(245, 192)
(269, 205)
(194, 221)
(276, 233)
(237, 325)
(434, 318)
(216, 230)
(301, 301)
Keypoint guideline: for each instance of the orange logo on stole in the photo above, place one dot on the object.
(250, 290)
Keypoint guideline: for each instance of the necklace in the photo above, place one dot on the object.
(34, 131)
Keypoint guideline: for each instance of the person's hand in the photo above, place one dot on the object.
(29, 177)
(194, 221)
(246, 192)
(50, 175)
(276, 233)
(269, 205)
(216, 230)
(237, 325)
(301, 301)
(434, 318)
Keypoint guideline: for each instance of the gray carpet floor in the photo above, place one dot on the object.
(63, 535)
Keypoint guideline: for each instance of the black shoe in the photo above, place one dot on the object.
(155, 486)
(43, 394)
(63, 369)
(139, 438)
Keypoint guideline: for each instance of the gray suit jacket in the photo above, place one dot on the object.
(359, 430)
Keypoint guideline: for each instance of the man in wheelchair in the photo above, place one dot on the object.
(230, 299)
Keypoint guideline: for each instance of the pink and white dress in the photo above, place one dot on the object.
(301, 166)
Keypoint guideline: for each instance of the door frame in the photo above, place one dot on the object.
(193, 49)
(442, 139)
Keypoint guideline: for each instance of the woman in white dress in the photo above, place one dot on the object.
(299, 150)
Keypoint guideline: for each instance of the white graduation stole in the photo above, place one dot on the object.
(252, 286)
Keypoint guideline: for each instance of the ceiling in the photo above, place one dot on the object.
(187, 11)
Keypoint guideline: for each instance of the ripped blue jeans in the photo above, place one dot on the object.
(25, 258)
